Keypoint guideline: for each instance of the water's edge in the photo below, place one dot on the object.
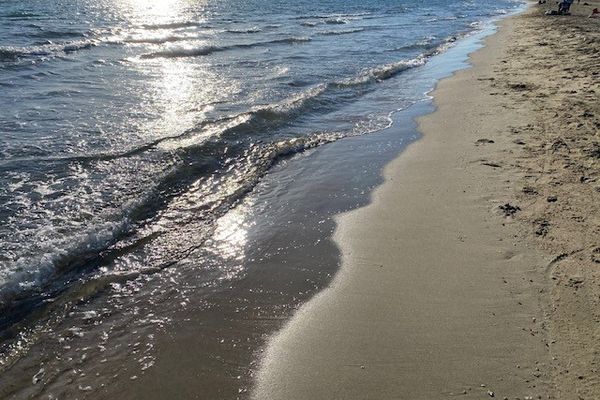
(296, 216)
(404, 125)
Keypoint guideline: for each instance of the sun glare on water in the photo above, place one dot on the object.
(159, 11)
(157, 7)
(174, 84)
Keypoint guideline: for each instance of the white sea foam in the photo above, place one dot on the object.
(342, 32)
(13, 53)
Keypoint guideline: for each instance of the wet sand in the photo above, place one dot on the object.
(443, 289)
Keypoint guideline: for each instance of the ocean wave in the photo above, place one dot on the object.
(258, 117)
(69, 263)
(334, 16)
(382, 72)
(446, 18)
(285, 108)
(390, 70)
(76, 46)
(266, 117)
(53, 34)
(10, 53)
(155, 39)
(272, 152)
(58, 255)
(89, 249)
(427, 43)
(179, 52)
(341, 32)
(19, 15)
(432, 45)
(336, 21)
(289, 40)
(172, 25)
(184, 52)
(63, 261)
(387, 71)
(66, 261)
(247, 30)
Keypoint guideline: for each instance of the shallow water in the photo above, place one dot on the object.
(131, 133)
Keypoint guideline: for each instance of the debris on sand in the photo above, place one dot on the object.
(509, 210)
(596, 255)
(594, 151)
(543, 227)
(491, 164)
(484, 141)
(575, 282)
(559, 144)
(519, 86)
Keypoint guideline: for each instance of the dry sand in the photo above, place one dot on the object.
(474, 271)
(553, 68)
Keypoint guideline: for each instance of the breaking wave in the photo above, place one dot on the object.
(336, 21)
(342, 32)
(156, 39)
(170, 25)
(70, 255)
(179, 52)
(247, 30)
(11, 53)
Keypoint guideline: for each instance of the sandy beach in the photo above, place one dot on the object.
(473, 271)
(235, 200)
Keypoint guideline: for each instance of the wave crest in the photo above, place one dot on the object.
(175, 24)
(179, 52)
(247, 30)
(342, 32)
(155, 40)
(11, 53)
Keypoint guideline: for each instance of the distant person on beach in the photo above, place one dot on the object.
(564, 6)
(595, 13)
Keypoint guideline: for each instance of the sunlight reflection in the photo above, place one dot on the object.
(155, 10)
(187, 92)
(174, 90)
(231, 234)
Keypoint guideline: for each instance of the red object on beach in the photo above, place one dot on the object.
(595, 13)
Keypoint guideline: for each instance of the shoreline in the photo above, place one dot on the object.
(437, 295)
(473, 271)
(234, 321)
(468, 262)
